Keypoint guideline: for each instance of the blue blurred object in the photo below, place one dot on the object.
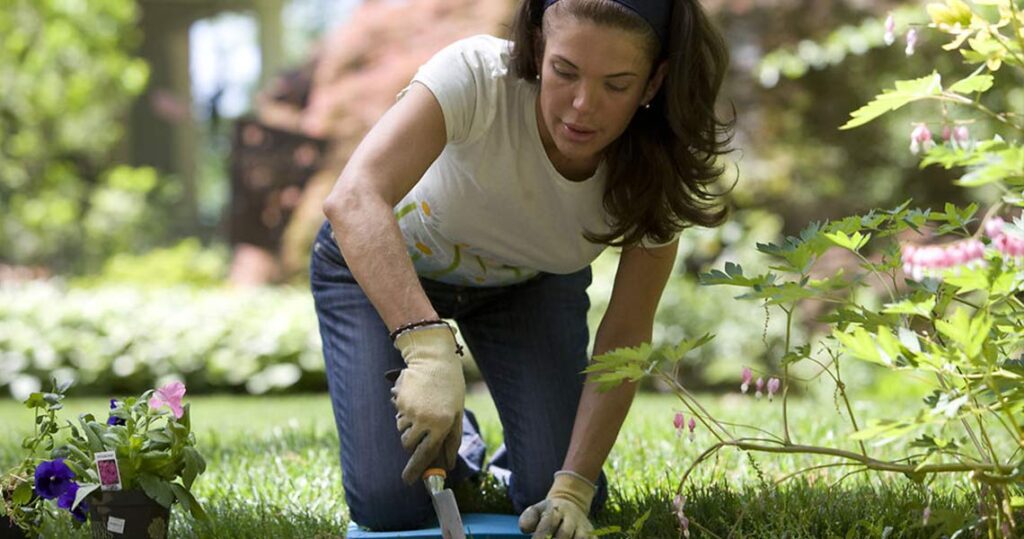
(478, 526)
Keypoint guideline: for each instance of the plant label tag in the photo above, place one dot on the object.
(115, 525)
(110, 475)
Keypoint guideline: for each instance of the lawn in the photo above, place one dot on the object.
(273, 472)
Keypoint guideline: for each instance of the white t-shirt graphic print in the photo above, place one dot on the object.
(492, 210)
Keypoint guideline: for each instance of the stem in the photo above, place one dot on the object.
(945, 387)
(892, 294)
(849, 408)
(961, 100)
(1016, 431)
(785, 375)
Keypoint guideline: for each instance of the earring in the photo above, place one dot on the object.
(647, 106)
(538, 76)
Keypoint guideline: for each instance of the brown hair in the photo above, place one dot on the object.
(660, 168)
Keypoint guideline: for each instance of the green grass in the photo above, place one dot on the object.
(273, 472)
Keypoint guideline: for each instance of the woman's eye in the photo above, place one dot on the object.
(563, 74)
(614, 88)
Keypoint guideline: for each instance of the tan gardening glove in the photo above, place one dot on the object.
(429, 395)
(563, 514)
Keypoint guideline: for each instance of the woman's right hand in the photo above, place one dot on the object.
(429, 395)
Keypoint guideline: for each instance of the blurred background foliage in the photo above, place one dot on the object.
(129, 294)
(67, 76)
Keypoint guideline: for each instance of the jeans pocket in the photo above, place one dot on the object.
(328, 253)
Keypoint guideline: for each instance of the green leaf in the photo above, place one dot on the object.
(973, 83)
(920, 307)
(35, 400)
(194, 465)
(906, 91)
(862, 345)
(186, 499)
(22, 493)
(957, 329)
(852, 242)
(84, 490)
(157, 489)
(968, 280)
(159, 436)
(95, 444)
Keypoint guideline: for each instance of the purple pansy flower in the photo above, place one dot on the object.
(66, 500)
(114, 420)
(53, 478)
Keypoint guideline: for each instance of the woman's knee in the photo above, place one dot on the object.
(381, 507)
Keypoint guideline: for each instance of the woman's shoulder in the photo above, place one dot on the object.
(481, 50)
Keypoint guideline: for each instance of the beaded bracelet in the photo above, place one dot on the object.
(426, 323)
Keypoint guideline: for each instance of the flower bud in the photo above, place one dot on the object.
(911, 41)
(921, 139)
(890, 30)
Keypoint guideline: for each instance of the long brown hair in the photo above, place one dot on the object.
(660, 168)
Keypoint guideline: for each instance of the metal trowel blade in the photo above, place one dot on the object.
(448, 514)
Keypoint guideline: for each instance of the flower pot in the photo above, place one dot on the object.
(8, 530)
(129, 513)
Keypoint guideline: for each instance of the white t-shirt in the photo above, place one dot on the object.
(492, 210)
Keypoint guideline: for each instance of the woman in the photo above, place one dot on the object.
(482, 196)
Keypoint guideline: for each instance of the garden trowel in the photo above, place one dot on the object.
(443, 499)
(444, 504)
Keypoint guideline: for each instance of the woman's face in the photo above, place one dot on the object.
(593, 79)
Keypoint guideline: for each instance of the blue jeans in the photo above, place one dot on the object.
(529, 341)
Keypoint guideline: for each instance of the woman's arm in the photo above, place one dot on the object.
(628, 321)
(385, 166)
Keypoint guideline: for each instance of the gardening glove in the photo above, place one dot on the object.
(563, 514)
(428, 395)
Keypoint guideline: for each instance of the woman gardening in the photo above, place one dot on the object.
(482, 196)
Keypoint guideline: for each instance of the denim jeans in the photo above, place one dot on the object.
(529, 341)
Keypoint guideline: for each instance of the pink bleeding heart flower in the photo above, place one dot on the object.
(994, 227)
(890, 30)
(677, 421)
(691, 425)
(170, 395)
(921, 139)
(748, 375)
(773, 387)
(961, 136)
(911, 41)
(947, 133)
(759, 385)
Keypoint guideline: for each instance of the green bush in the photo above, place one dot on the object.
(125, 339)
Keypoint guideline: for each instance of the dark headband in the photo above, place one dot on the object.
(656, 13)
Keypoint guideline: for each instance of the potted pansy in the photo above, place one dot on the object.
(121, 473)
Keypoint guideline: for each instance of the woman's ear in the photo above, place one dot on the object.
(654, 83)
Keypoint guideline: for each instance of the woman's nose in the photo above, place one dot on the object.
(585, 98)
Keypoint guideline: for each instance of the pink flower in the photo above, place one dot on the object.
(692, 425)
(994, 227)
(748, 375)
(773, 387)
(961, 136)
(759, 385)
(921, 139)
(677, 421)
(931, 261)
(170, 395)
(911, 41)
(890, 30)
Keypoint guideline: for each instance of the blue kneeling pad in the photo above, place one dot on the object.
(478, 526)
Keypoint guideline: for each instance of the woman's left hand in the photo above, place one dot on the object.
(563, 513)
